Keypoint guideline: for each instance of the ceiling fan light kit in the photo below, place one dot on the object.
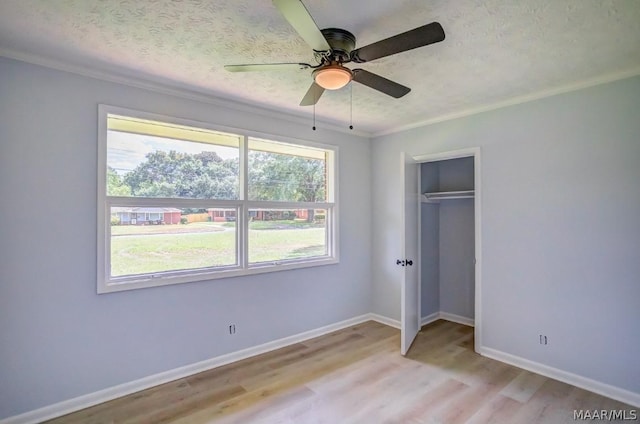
(332, 77)
(334, 47)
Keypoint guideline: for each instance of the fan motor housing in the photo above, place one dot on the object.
(342, 42)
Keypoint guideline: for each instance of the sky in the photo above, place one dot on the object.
(125, 151)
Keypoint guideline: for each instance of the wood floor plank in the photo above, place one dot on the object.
(273, 410)
(551, 403)
(393, 395)
(356, 375)
(475, 396)
(524, 386)
(500, 409)
(360, 374)
(432, 401)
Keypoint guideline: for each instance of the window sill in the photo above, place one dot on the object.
(165, 280)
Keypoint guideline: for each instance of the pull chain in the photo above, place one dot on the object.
(314, 112)
(351, 106)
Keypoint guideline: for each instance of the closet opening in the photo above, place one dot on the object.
(448, 224)
(447, 248)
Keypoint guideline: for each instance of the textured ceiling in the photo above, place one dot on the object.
(494, 51)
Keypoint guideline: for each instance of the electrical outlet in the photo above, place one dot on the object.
(232, 329)
(544, 340)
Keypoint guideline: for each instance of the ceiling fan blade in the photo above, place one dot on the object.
(298, 16)
(417, 37)
(266, 67)
(379, 83)
(312, 96)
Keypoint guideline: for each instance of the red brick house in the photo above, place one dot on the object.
(146, 215)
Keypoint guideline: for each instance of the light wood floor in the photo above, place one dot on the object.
(357, 375)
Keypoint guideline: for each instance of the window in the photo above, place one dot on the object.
(183, 201)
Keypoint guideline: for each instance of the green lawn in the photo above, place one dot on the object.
(273, 245)
(196, 227)
(157, 248)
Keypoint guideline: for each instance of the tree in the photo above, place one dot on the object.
(286, 178)
(282, 177)
(205, 175)
(198, 176)
(115, 185)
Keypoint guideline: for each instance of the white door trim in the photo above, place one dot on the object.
(477, 206)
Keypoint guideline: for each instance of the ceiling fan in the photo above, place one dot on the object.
(333, 47)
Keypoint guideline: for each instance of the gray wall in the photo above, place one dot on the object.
(58, 339)
(457, 279)
(430, 259)
(560, 226)
(456, 174)
(429, 242)
(457, 239)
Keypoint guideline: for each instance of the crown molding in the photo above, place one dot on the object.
(170, 88)
(567, 88)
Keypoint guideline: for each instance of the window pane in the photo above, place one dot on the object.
(154, 159)
(285, 234)
(152, 240)
(285, 172)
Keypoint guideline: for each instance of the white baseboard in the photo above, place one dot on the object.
(594, 386)
(105, 395)
(91, 399)
(384, 320)
(430, 318)
(424, 320)
(448, 317)
(457, 318)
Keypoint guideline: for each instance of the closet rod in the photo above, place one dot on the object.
(447, 195)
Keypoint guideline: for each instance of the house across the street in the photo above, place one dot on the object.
(221, 214)
(146, 216)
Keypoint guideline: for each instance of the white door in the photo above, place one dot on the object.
(409, 261)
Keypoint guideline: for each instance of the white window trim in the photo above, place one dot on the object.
(107, 284)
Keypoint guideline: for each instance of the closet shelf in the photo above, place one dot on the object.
(437, 196)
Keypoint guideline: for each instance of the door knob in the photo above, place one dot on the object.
(399, 262)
